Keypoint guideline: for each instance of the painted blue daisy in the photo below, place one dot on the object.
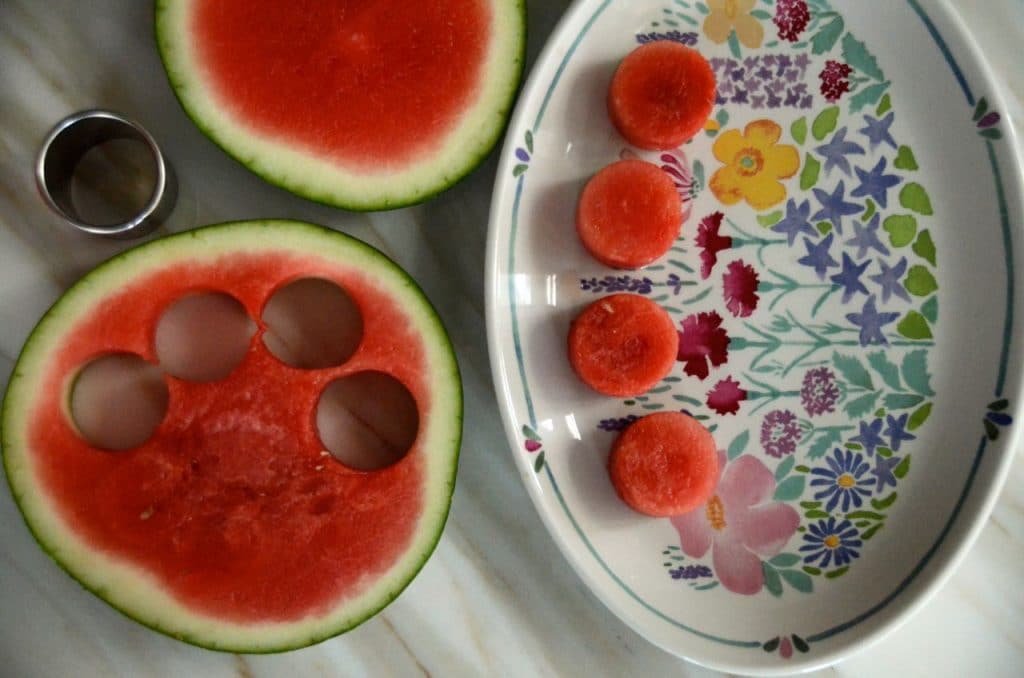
(831, 542)
(843, 481)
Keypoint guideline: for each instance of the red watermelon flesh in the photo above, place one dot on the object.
(370, 82)
(232, 505)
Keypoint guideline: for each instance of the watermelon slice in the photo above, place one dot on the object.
(231, 527)
(370, 104)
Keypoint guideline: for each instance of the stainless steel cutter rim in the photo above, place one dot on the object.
(160, 202)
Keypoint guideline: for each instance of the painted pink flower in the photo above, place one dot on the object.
(791, 18)
(785, 649)
(710, 242)
(702, 340)
(740, 524)
(834, 80)
(740, 289)
(726, 396)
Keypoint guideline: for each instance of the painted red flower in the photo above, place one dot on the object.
(740, 289)
(702, 339)
(726, 396)
(710, 242)
(834, 80)
(791, 18)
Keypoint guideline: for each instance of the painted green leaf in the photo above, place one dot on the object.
(870, 532)
(920, 282)
(853, 370)
(981, 109)
(738, 444)
(915, 372)
(519, 169)
(825, 123)
(771, 580)
(817, 513)
(867, 96)
(800, 644)
(919, 416)
(999, 405)
(905, 159)
(798, 580)
(888, 370)
(869, 210)
(825, 39)
(811, 570)
(734, 45)
(771, 645)
(914, 197)
(991, 133)
(539, 464)
(861, 405)
(834, 574)
(824, 227)
(789, 489)
(870, 515)
(991, 430)
(810, 172)
(785, 560)
(771, 219)
(722, 117)
(901, 229)
(882, 504)
(529, 141)
(823, 443)
(930, 309)
(784, 468)
(760, 14)
(799, 130)
(902, 401)
(925, 248)
(529, 433)
(914, 326)
(858, 56)
(902, 468)
(810, 504)
(884, 105)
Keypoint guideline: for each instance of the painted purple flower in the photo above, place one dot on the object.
(829, 541)
(818, 256)
(780, 433)
(877, 131)
(819, 393)
(690, 572)
(849, 277)
(871, 321)
(834, 206)
(889, 280)
(883, 472)
(843, 481)
(836, 150)
(875, 183)
(617, 424)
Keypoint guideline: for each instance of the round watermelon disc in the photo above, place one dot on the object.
(231, 528)
(363, 105)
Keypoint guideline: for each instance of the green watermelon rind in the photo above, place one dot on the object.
(202, 111)
(235, 233)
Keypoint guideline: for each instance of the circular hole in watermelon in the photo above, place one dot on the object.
(312, 323)
(367, 420)
(113, 181)
(117, 401)
(203, 337)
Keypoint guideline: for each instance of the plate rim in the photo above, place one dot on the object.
(929, 575)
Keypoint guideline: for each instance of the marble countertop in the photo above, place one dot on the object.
(497, 597)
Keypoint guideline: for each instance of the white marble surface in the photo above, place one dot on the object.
(497, 598)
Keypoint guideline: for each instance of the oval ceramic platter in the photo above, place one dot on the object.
(844, 291)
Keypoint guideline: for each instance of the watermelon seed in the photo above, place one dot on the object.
(147, 514)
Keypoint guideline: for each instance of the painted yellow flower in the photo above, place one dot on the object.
(754, 165)
(727, 16)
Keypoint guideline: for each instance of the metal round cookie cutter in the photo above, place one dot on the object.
(70, 140)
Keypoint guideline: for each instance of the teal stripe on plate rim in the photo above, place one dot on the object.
(999, 387)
